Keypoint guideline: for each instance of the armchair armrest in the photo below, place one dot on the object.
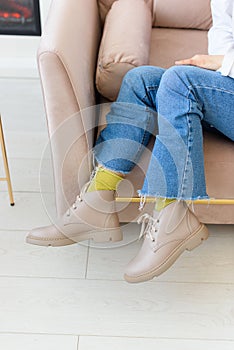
(67, 62)
(72, 33)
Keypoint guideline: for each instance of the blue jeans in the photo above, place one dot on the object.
(175, 104)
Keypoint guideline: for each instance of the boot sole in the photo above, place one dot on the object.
(49, 243)
(189, 244)
(114, 235)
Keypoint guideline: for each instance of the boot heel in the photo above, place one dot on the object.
(114, 235)
(201, 236)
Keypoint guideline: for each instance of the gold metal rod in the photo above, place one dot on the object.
(3, 179)
(198, 201)
(5, 162)
(217, 201)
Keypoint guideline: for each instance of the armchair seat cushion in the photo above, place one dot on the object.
(170, 44)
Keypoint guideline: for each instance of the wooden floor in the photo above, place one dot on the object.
(75, 298)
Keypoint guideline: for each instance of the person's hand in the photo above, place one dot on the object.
(212, 62)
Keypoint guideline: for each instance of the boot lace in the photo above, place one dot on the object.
(79, 198)
(149, 227)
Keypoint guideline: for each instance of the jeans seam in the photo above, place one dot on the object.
(142, 141)
(216, 88)
(149, 88)
(190, 88)
(189, 143)
(188, 156)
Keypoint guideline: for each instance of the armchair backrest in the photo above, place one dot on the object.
(193, 14)
(105, 6)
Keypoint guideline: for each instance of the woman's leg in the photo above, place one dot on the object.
(186, 97)
(131, 121)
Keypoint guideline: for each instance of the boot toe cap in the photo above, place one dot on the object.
(138, 268)
(47, 236)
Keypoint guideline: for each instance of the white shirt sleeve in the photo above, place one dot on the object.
(227, 68)
(221, 35)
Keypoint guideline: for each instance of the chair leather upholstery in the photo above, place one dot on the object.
(67, 59)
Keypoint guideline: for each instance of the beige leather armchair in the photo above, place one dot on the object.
(69, 58)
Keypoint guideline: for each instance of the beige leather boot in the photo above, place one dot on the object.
(92, 216)
(166, 235)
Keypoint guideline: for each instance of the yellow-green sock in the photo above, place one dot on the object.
(104, 179)
(162, 203)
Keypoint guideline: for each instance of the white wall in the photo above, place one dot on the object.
(18, 53)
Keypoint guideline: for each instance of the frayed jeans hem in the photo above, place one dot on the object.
(119, 171)
(156, 196)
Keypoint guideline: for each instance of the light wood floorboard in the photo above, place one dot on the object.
(18, 258)
(29, 210)
(84, 307)
(37, 342)
(106, 343)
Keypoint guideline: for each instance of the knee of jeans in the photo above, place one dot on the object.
(177, 76)
(174, 79)
(133, 79)
(173, 75)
